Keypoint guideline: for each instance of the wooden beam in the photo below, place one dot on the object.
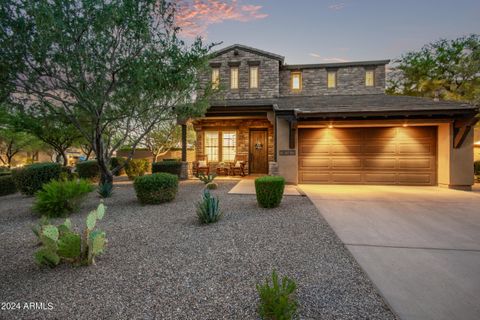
(461, 131)
(292, 133)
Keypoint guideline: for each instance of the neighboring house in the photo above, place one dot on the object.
(331, 124)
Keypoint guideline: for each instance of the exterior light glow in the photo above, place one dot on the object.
(405, 125)
(330, 126)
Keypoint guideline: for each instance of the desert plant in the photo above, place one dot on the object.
(212, 186)
(115, 162)
(169, 166)
(136, 168)
(59, 198)
(88, 170)
(62, 243)
(277, 301)
(37, 228)
(269, 191)
(206, 178)
(208, 209)
(7, 185)
(156, 188)
(31, 178)
(105, 190)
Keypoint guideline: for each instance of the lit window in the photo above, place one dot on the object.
(211, 145)
(331, 79)
(369, 78)
(215, 78)
(254, 77)
(229, 146)
(234, 78)
(296, 81)
(220, 146)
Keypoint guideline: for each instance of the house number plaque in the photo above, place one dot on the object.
(287, 152)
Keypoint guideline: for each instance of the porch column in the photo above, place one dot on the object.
(184, 142)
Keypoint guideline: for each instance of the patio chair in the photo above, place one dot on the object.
(238, 165)
(201, 166)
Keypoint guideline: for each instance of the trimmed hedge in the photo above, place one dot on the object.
(7, 185)
(136, 168)
(156, 188)
(169, 166)
(269, 191)
(88, 170)
(476, 167)
(59, 198)
(31, 178)
(115, 162)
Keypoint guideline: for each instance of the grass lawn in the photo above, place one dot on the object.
(161, 264)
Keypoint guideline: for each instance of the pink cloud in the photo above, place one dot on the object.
(328, 59)
(195, 16)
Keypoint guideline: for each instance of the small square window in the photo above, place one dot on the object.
(296, 81)
(215, 78)
(369, 78)
(234, 78)
(331, 79)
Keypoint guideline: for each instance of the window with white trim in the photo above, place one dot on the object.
(211, 145)
(234, 78)
(215, 78)
(220, 145)
(254, 77)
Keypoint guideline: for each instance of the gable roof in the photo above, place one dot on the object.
(336, 64)
(249, 49)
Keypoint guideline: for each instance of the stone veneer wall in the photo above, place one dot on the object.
(350, 80)
(268, 84)
(242, 126)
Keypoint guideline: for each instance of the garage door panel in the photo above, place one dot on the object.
(368, 155)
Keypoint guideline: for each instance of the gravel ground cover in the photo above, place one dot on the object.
(161, 264)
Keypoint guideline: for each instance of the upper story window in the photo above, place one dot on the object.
(296, 81)
(369, 78)
(253, 77)
(331, 79)
(233, 77)
(215, 78)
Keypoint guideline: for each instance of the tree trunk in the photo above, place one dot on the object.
(65, 159)
(106, 175)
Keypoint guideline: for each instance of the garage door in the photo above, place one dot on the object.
(399, 155)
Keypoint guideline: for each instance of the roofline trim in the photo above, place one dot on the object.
(250, 49)
(336, 64)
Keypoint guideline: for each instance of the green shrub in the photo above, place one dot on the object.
(156, 188)
(115, 162)
(59, 198)
(476, 167)
(61, 243)
(105, 190)
(136, 168)
(31, 178)
(269, 191)
(88, 170)
(7, 185)
(170, 166)
(206, 178)
(212, 186)
(5, 171)
(277, 301)
(208, 210)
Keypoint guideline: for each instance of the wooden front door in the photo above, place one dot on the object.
(258, 151)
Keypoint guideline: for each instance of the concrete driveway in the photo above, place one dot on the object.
(419, 245)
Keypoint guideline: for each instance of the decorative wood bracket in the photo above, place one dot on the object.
(461, 129)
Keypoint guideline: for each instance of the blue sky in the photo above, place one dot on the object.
(318, 31)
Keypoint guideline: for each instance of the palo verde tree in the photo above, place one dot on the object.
(449, 69)
(103, 65)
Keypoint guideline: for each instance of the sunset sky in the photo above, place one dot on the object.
(320, 31)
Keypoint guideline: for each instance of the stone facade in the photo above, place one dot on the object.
(268, 83)
(241, 126)
(350, 80)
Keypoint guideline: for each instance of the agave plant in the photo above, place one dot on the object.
(208, 210)
(105, 190)
(206, 178)
(62, 243)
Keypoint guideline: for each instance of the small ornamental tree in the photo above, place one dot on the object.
(104, 67)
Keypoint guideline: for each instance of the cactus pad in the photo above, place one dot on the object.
(47, 257)
(69, 245)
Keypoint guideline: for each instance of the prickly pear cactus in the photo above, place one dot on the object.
(47, 257)
(69, 245)
(96, 245)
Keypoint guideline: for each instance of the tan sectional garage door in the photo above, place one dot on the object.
(397, 155)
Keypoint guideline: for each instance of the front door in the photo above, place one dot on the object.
(258, 154)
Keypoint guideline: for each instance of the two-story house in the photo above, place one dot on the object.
(331, 124)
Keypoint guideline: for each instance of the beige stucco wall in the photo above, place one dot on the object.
(455, 166)
(287, 165)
